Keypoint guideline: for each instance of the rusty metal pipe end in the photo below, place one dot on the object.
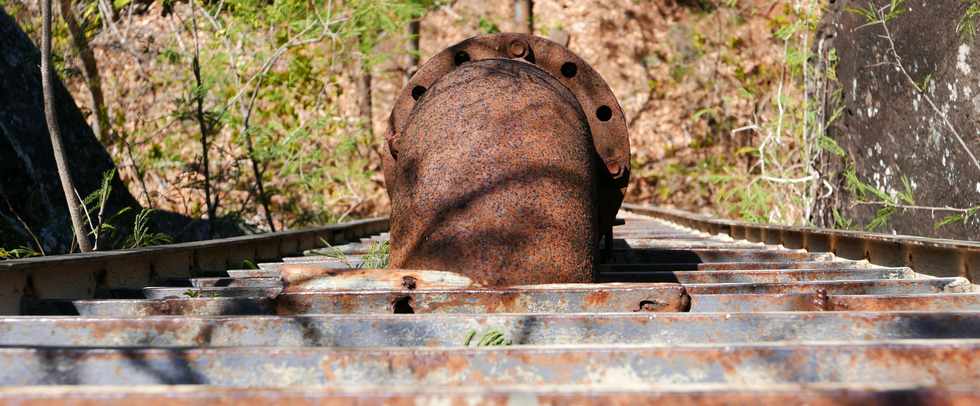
(508, 156)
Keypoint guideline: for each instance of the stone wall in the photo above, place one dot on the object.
(890, 129)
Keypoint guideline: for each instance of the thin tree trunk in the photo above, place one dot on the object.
(364, 97)
(524, 16)
(90, 70)
(202, 122)
(256, 169)
(414, 29)
(51, 116)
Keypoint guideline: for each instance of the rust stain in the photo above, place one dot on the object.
(597, 298)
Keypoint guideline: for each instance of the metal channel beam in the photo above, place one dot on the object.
(764, 276)
(270, 282)
(452, 330)
(564, 395)
(817, 302)
(176, 307)
(759, 276)
(167, 292)
(566, 299)
(836, 287)
(585, 298)
(470, 302)
(652, 255)
(97, 274)
(930, 256)
(271, 269)
(933, 362)
(855, 287)
(729, 266)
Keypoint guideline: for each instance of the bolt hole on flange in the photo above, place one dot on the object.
(568, 70)
(603, 113)
(418, 91)
(461, 58)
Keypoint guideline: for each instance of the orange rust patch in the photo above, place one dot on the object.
(597, 298)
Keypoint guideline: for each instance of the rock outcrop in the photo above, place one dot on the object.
(891, 129)
(30, 192)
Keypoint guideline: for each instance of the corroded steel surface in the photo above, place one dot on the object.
(817, 302)
(559, 395)
(450, 330)
(605, 118)
(931, 256)
(937, 362)
(506, 159)
(748, 322)
(495, 178)
(176, 307)
(622, 298)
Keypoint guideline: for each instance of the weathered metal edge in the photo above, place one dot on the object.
(930, 256)
(80, 276)
(366, 226)
(707, 394)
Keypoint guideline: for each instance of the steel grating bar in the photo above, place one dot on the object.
(629, 268)
(812, 302)
(236, 282)
(564, 395)
(647, 255)
(312, 303)
(452, 330)
(855, 287)
(728, 266)
(842, 272)
(925, 362)
(584, 298)
(679, 264)
(837, 287)
(762, 276)
(177, 307)
(169, 292)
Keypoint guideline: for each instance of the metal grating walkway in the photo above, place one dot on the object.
(749, 322)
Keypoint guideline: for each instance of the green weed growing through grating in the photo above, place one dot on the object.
(492, 338)
(377, 256)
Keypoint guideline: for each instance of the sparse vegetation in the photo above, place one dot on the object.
(376, 257)
(491, 338)
(246, 110)
(755, 144)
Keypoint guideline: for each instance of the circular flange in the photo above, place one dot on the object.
(607, 123)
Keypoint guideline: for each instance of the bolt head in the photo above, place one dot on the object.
(517, 48)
